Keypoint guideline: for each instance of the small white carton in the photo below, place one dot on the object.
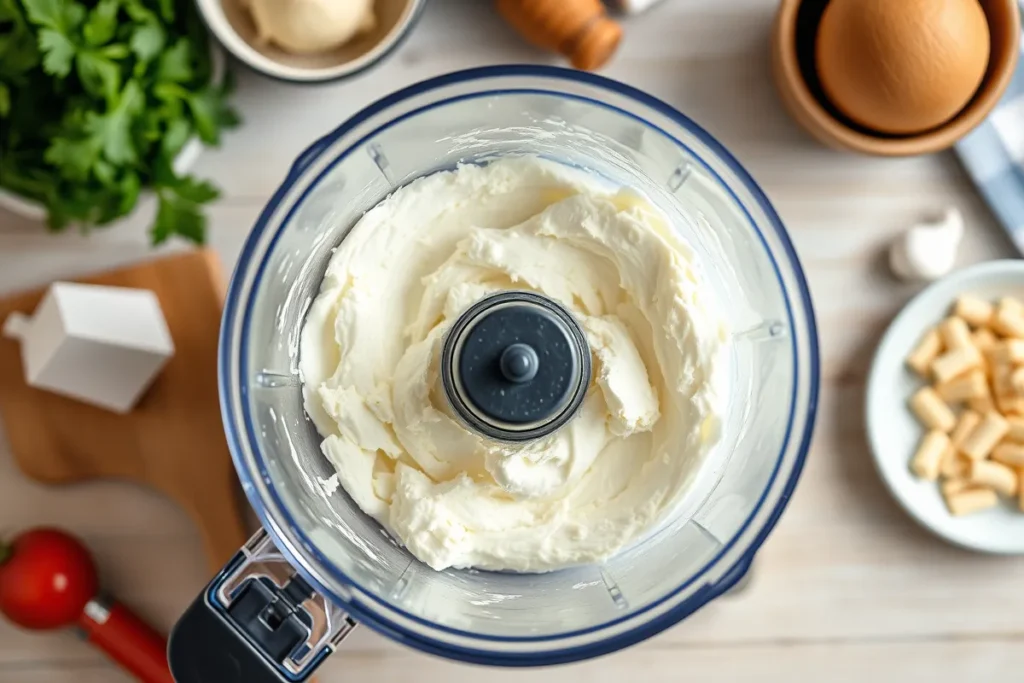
(102, 345)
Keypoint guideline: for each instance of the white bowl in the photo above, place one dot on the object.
(231, 23)
(183, 161)
(894, 432)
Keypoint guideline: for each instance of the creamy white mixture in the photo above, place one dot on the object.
(309, 26)
(369, 361)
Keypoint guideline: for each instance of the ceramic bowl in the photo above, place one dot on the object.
(894, 433)
(793, 40)
(232, 24)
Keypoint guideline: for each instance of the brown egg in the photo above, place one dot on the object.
(901, 66)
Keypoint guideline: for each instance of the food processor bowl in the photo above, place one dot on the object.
(334, 550)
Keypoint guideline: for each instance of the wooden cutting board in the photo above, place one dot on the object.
(173, 441)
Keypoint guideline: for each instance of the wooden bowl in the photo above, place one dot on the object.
(796, 78)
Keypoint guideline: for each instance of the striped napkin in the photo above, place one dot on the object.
(993, 154)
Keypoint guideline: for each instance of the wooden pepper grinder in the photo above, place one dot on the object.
(578, 29)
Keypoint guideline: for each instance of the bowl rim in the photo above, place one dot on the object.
(212, 12)
(809, 112)
(391, 620)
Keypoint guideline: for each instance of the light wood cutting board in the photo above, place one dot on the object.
(173, 440)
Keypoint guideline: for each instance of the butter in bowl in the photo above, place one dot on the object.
(310, 41)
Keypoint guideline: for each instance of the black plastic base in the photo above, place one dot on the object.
(204, 648)
(208, 645)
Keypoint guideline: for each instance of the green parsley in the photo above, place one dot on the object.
(96, 99)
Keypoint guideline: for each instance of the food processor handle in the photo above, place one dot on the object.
(258, 621)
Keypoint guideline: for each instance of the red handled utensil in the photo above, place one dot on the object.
(48, 581)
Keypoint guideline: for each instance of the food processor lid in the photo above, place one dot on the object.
(515, 366)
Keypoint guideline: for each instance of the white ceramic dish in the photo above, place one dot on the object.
(894, 432)
(230, 22)
(183, 162)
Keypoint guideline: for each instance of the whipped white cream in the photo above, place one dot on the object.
(369, 360)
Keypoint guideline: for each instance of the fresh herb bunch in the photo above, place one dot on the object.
(96, 99)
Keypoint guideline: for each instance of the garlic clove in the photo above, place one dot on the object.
(927, 251)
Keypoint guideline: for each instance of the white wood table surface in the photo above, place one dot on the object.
(846, 589)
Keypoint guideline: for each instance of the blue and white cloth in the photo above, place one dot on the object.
(993, 154)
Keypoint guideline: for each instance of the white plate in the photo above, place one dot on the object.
(894, 432)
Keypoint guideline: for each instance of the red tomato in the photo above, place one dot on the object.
(46, 579)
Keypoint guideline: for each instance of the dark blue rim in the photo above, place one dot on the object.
(414, 18)
(645, 630)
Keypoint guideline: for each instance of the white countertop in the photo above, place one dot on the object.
(846, 589)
